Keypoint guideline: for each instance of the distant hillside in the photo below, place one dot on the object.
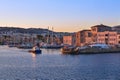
(29, 30)
(22, 30)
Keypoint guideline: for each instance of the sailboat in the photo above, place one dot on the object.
(52, 44)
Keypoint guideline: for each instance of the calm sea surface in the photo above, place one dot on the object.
(18, 64)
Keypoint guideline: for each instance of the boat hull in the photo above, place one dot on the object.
(70, 51)
(20, 47)
(52, 47)
(35, 51)
(99, 51)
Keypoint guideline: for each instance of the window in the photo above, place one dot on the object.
(106, 34)
(89, 34)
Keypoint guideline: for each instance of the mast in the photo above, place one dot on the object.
(48, 35)
(52, 35)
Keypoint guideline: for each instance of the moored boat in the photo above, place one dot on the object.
(98, 49)
(70, 50)
(35, 50)
(25, 46)
(51, 46)
(91, 49)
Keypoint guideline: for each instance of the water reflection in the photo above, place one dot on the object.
(34, 59)
(33, 55)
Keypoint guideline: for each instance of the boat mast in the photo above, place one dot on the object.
(48, 35)
(52, 35)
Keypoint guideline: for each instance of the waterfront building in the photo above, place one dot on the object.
(118, 38)
(83, 37)
(107, 37)
(69, 40)
(99, 28)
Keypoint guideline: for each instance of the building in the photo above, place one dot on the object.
(107, 37)
(83, 37)
(99, 28)
(116, 28)
(69, 40)
(118, 38)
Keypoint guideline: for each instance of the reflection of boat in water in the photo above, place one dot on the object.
(35, 50)
(70, 50)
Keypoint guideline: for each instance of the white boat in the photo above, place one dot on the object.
(51, 46)
(25, 46)
(99, 45)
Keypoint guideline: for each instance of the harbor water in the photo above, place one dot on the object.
(19, 64)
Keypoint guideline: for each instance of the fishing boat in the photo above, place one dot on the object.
(70, 50)
(35, 50)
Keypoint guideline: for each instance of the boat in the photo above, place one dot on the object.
(91, 49)
(25, 46)
(52, 46)
(11, 45)
(70, 50)
(35, 50)
(98, 49)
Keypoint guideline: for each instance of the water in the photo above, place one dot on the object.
(18, 64)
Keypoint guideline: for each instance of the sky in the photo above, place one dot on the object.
(63, 15)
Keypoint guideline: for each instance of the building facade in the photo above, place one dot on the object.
(98, 28)
(83, 37)
(69, 40)
(107, 37)
(118, 38)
